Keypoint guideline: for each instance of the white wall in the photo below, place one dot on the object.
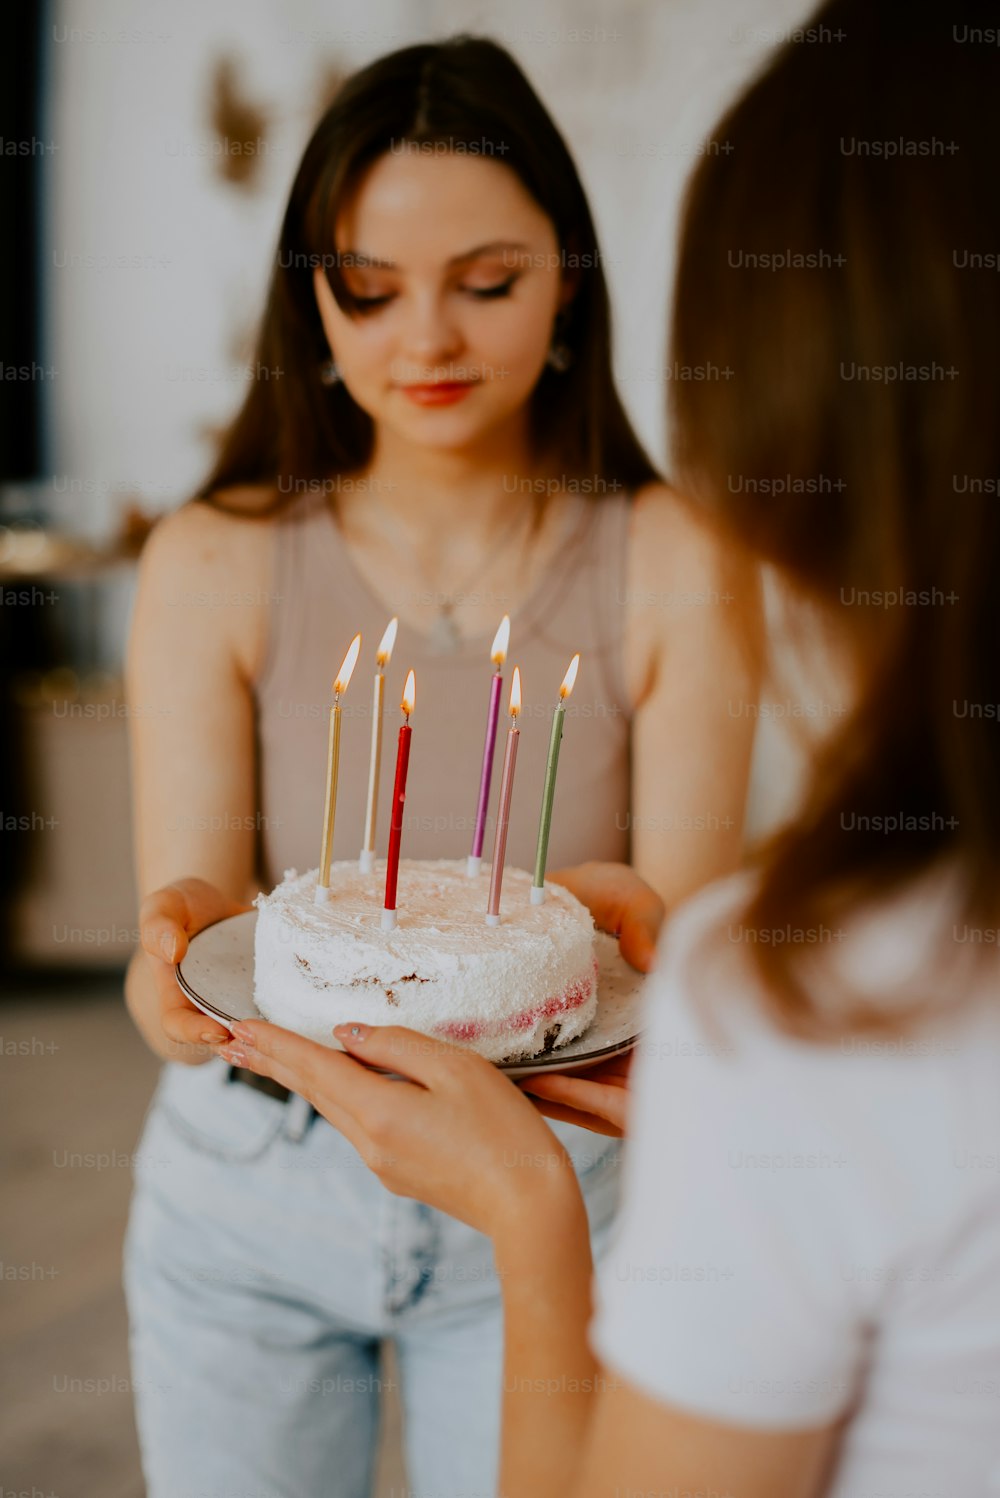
(144, 354)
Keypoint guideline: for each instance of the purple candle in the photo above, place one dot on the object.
(498, 654)
(503, 812)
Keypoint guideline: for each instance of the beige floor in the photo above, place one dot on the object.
(74, 1080)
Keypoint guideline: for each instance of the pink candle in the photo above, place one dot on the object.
(503, 812)
(498, 654)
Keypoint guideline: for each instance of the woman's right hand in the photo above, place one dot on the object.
(168, 918)
(622, 903)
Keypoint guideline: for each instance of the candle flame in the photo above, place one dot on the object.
(569, 680)
(501, 641)
(409, 694)
(515, 693)
(384, 653)
(347, 669)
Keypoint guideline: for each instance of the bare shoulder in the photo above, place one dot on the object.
(687, 583)
(676, 552)
(202, 536)
(655, 504)
(667, 534)
(211, 563)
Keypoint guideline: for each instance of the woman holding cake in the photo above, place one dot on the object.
(438, 438)
(804, 1295)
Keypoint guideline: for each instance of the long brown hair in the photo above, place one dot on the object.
(863, 385)
(466, 94)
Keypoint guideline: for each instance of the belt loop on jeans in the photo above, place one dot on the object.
(298, 1113)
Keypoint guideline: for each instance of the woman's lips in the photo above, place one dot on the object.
(441, 393)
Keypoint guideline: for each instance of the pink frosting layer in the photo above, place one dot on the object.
(578, 993)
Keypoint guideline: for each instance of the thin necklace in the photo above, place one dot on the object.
(444, 636)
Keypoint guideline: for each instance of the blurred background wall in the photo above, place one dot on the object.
(162, 136)
(150, 361)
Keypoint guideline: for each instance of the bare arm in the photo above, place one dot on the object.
(636, 1444)
(197, 634)
(694, 640)
(571, 1429)
(549, 1371)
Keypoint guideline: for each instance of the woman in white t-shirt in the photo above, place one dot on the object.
(804, 1299)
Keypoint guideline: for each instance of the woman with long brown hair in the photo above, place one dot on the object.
(432, 432)
(803, 1298)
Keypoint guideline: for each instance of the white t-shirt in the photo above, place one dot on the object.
(814, 1232)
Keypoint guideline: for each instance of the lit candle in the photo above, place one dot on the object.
(549, 789)
(398, 802)
(332, 770)
(382, 658)
(498, 655)
(503, 811)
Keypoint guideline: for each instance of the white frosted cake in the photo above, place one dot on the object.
(509, 992)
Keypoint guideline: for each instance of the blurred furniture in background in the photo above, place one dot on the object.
(69, 893)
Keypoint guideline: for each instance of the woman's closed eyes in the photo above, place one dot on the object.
(365, 304)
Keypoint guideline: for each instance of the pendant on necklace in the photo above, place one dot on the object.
(444, 638)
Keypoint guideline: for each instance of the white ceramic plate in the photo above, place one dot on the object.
(217, 976)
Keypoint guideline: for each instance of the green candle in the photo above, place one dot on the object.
(549, 788)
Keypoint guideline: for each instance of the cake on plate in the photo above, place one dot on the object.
(510, 992)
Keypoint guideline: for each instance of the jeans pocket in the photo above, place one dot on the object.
(215, 1116)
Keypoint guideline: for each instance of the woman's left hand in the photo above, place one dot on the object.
(594, 1098)
(454, 1133)
(623, 904)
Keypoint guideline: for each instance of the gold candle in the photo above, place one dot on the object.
(333, 768)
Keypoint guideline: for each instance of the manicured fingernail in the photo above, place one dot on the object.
(247, 1036)
(234, 1054)
(353, 1033)
(168, 945)
(212, 1037)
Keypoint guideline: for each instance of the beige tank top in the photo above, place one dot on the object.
(320, 600)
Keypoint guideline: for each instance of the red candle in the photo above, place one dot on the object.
(503, 811)
(398, 802)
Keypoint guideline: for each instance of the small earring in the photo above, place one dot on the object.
(560, 355)
(329, 374)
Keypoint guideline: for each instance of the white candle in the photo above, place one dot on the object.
(382, 658)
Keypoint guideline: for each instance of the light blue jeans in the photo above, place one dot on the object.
(264, 1266)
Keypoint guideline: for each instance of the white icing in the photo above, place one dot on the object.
(317, 966)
